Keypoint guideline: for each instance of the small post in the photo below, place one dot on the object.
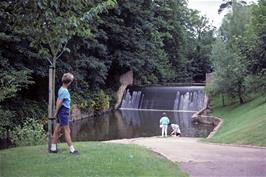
(51, 104)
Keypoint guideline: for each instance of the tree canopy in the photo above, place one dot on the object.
(238, 55)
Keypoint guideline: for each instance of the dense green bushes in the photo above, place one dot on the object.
(31, 133)
(92, 101)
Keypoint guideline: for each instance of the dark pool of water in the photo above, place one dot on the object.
(134, 123)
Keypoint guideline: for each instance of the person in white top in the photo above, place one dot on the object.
(176, 130)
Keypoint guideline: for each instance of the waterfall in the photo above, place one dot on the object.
(164, 98)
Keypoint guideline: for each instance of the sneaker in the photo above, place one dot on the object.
(74, 152)
(56, 151)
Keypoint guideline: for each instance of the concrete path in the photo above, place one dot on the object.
(204, 159)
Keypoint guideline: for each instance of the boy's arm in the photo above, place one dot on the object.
(58, 105)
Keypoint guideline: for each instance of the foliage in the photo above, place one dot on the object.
(199, 45)
(6, 122)
(12, 80)
(256, 39)
(85, 104)
(101, 101)
(29, 109)
(49, 25)
(230, 70)
(92, 101)
(228, 4)
(257, 83)
(31, 133)
(238, 67)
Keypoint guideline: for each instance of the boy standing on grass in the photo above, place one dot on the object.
(62, 113)
(164, 121)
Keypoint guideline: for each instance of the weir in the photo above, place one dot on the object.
(177, 99)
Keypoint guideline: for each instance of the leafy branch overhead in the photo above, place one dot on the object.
(49, 24)
(228, 4)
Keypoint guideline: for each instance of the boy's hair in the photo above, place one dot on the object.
(164, 114)
(67, 78)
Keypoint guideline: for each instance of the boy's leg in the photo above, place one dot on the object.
(162, 130)
(67, 135)
(69, 141)
(166, 131)
(55, 137)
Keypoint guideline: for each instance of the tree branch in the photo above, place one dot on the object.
(9, 38)
(61, 51)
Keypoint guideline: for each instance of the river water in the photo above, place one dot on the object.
(140, 111)
(134, 123)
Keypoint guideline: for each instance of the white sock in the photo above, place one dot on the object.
(71, 148)
(53, 147)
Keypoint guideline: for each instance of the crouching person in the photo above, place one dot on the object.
(176, 130)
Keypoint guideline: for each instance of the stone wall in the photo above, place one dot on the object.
(125, 80)
(209, 78)
(202, 115)
(77, 114)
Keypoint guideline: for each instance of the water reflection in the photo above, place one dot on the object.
(133, 123)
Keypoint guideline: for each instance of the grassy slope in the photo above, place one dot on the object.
(243, 124)
(96, 159)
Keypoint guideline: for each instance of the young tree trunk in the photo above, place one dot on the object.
(223, 100)
(240, 96)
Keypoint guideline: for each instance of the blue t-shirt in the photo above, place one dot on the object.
(164, 121)
(64, 95)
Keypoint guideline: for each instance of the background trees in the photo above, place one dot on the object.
(238, 55)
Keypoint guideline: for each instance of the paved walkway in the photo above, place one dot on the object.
(204, 159)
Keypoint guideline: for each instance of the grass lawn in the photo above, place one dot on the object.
(96, 159)
(243, 124)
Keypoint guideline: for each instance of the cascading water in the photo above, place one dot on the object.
(180, 103)
(164, 98)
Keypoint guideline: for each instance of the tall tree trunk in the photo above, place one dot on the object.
(51, 105)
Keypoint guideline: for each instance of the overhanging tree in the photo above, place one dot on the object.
(48, 25)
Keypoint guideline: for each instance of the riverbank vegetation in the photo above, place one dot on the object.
(96, 159)
(243, 124)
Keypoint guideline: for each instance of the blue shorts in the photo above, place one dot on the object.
(63, 116)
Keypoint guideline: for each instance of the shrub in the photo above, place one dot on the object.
(31, 133)
(5, 122)
(101, 101)
(94, 100)
(84, 103)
